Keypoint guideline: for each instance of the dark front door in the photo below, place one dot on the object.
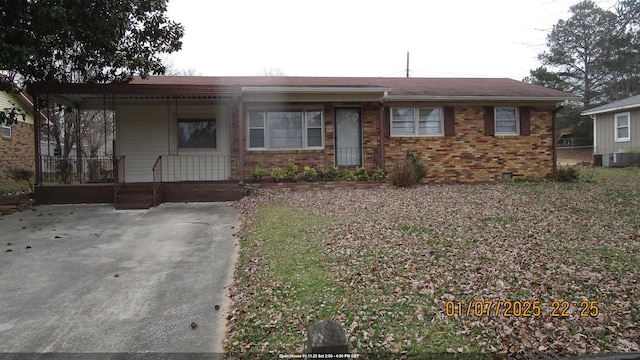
(348, 137)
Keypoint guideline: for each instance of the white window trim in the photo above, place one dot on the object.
(616, 127)
(495, 119)
(305, 128)
(416, 122)
(6, 127)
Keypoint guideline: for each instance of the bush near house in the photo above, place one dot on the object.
(310, 174)
(277, 174)
(362, 174)
(331, 173)
(258, 173)
(291, 173)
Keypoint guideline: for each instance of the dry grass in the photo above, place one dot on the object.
(386, 262)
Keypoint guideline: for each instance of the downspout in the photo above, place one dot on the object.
(241, 143)
(381, 122)
(381, 137)
(553, 135)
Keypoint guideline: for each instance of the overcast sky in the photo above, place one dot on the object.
(445, 38)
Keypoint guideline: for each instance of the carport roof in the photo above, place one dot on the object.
(400, 89)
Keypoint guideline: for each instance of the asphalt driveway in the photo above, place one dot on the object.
(87, 278)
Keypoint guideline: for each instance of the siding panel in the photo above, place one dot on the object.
(605, 142)
(146, 132)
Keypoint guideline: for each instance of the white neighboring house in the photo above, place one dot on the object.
(616, 132)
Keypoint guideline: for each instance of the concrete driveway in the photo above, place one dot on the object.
(87, 278)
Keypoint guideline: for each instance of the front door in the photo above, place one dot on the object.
(348, 137)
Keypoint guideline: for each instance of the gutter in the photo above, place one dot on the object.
(313, 89)
(624, 107)
(475, 98)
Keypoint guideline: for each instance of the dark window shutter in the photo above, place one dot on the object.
(449, 121)
(387, 122)
(489, 122)
(525, 121)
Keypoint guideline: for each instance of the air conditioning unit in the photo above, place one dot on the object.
(624, 159)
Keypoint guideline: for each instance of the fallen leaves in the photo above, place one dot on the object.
(395, 257)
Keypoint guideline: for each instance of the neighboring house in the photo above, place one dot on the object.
(17, 148)
(616, 132)
(220, 128)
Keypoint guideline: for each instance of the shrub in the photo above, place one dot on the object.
(348, 175)
(258, 173)
(310, 174)
(18, 174)
(404, 174)
(419, 168)
(361, 174)
(331, 173)
(378, 174)
(277, 174)
(567, 174)
(291, 173)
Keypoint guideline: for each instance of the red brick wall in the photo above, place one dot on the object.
(18, 150)
(468, 156)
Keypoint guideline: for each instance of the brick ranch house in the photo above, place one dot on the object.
(17, 148)
(220, 128)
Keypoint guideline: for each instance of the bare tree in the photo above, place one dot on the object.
(271, 71)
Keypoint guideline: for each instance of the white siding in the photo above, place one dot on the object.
(144, 132)
(604, 136)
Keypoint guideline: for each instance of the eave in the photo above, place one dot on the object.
(613, 109)
(432, 98)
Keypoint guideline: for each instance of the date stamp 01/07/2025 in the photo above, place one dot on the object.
(563, 309)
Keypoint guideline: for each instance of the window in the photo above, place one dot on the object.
(416, 122)
(285, 129)
(623, 127)
(197, 134)
(6, 131)
(506, 121)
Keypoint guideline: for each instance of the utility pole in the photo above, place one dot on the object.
(407, 64)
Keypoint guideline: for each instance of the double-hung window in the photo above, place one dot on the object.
(623, 127)
(6, 131)
(416, 122)
(506, 121)
(285, 129)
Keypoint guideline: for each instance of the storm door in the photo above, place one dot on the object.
(348, 137)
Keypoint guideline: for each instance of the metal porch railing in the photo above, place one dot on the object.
(73, 170)
(195, 168)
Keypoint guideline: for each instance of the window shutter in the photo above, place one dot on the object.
(525, 120)
(387, 122)
(449, 121)
(489, 121)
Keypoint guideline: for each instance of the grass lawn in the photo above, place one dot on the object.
(526, 270)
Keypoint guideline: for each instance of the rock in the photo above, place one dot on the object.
(327, 337)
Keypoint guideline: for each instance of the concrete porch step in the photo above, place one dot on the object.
(134, 197)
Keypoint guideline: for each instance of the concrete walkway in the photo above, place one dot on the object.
(87, 278)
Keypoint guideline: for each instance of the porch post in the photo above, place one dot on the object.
(381, 122)
(36, 139)
(240, 142)
(79, 169)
